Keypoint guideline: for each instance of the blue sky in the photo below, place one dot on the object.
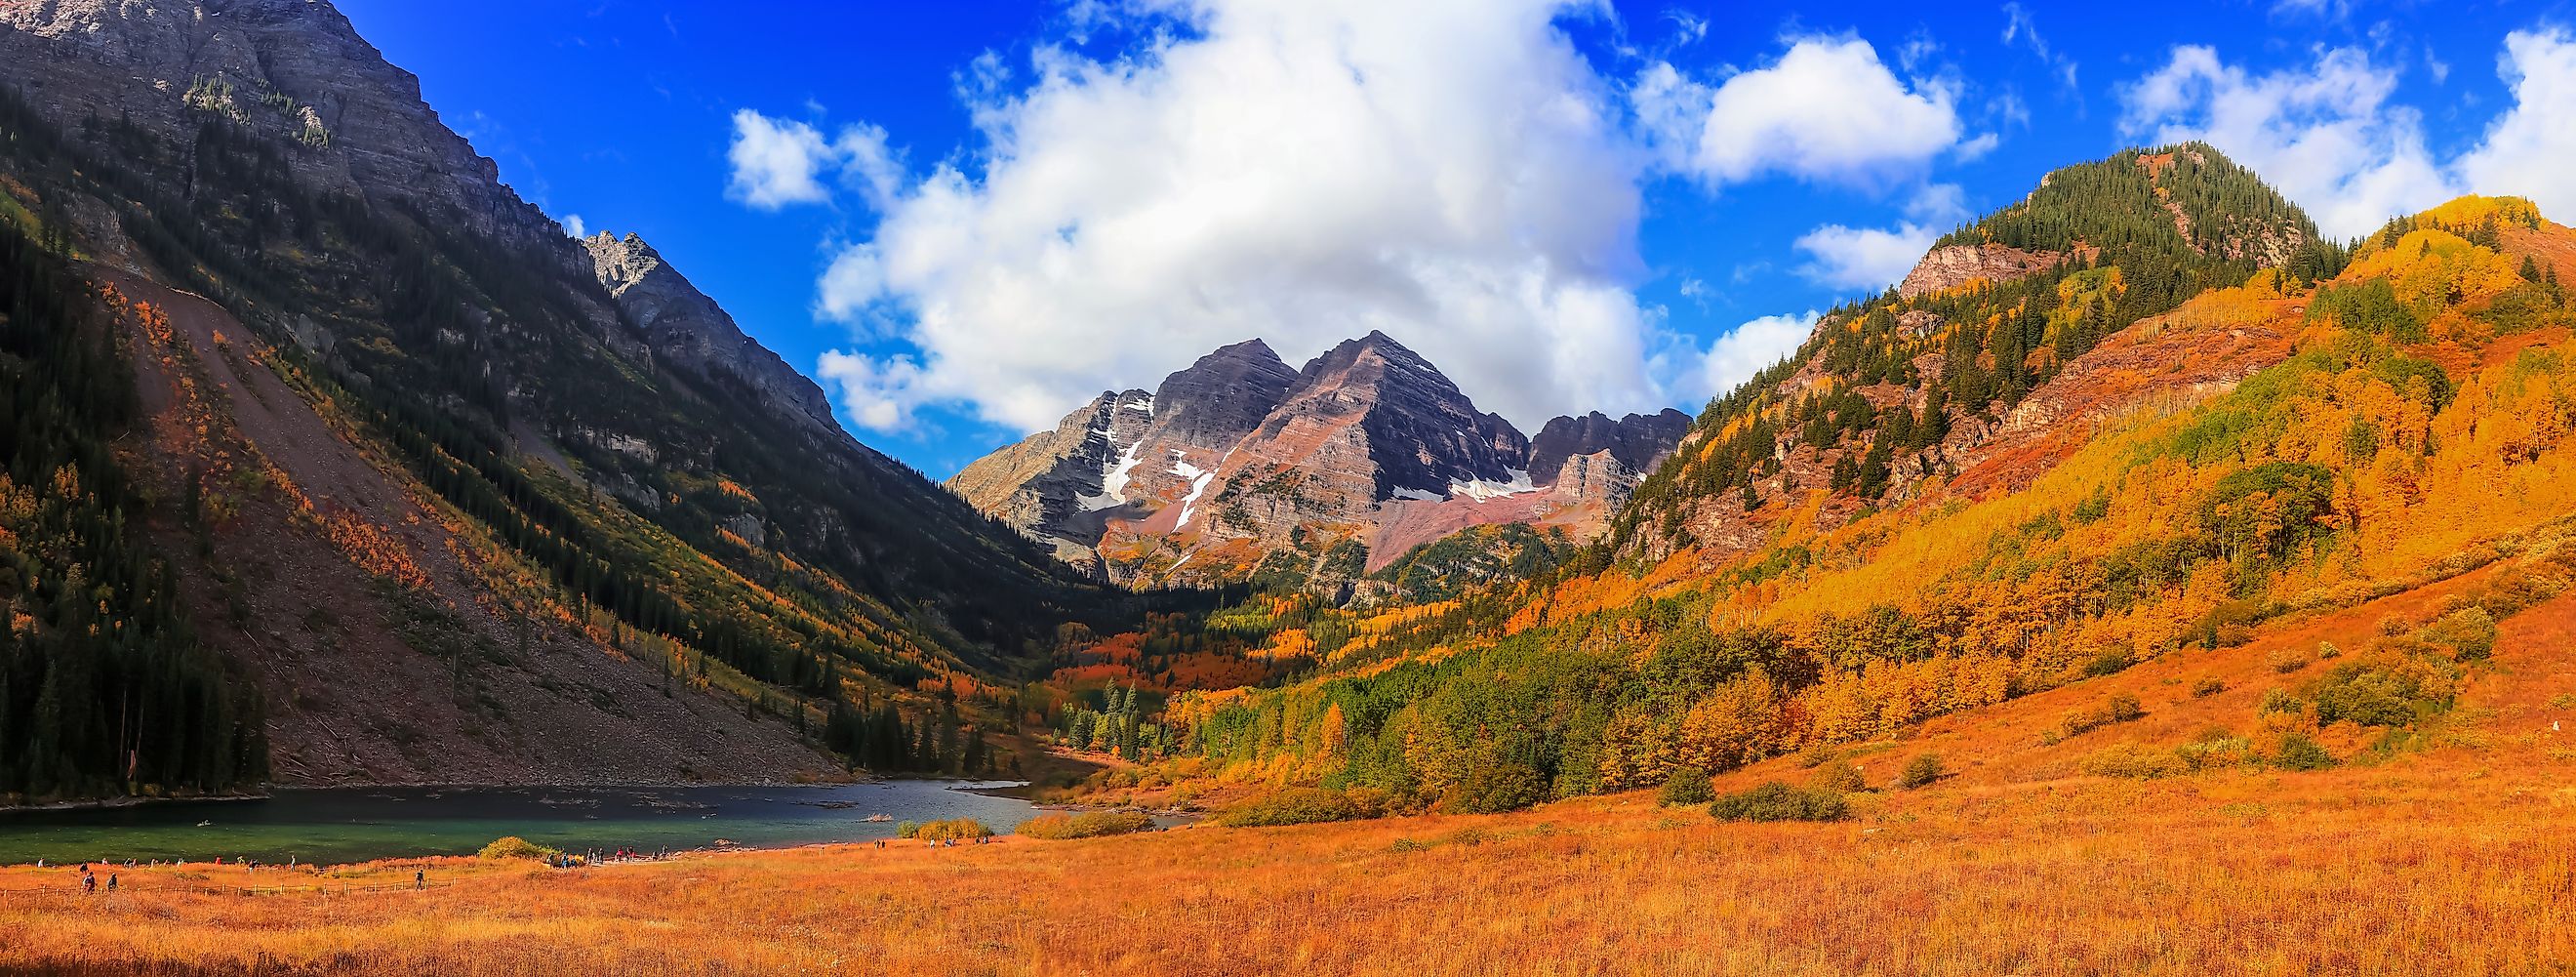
(966, 217)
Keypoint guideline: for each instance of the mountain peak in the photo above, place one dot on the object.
(1252, 348)
(1384, 345)
(687, 328)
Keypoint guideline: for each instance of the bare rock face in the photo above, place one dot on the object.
(689, 330)
(1053, 483)
(1946, 268)
(1415, 433)
(1200, 414)
(1238, 463)
(1129, 454)
(294, 70)
(1222, 397)
(1638, 441)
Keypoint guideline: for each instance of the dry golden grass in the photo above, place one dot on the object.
(2454, 856)
(2418, 867)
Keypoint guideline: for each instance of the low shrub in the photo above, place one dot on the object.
(2208, 685)
(2119, 708)
(1776, 801)
(907, 829)
(1295, 805)
(957, 829)
(1495, 789)
(2111, 661)
(1469, 836)
(2215, 747)
(1920, 772)
(2469, 632)
(2289, 660)
(2281, 701)
(2301, 753)
(1059, 826)
(1838, 777)
(514, 846)
(2367, 695)
(1686, 785)
(2135, 761)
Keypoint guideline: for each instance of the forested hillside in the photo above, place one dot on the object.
(411, 374)
(102, 687)
(1906, 385)
(2256, 448)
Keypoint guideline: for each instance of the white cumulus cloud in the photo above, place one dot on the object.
(777, 162)
(780, 162)
(1453, 172)
(1864, 257)
(1827, 110)
(1874, 258)
(1750, 348)
(2530, 150)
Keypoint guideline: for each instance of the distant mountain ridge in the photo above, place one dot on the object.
(1239, 467)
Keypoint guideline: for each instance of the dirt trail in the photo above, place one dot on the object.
(356, 694)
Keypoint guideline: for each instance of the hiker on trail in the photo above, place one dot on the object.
(420, 880)
(111, 881)
(89, 883)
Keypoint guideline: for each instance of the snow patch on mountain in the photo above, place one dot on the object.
(1113, 482)
(1199, 479)
(1483, 490)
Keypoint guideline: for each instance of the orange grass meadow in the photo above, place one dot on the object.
(2407, 868)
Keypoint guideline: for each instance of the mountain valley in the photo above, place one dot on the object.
(2151, 578)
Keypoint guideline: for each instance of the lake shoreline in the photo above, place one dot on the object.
(340, 824)
(272, 790)
(1028, 792)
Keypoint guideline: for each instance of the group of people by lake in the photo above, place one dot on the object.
(90, 882)
(611, 856)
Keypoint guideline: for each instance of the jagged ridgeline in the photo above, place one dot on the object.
(102, 688)
(1873, 398)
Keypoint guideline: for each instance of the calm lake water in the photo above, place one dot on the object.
(355, 824)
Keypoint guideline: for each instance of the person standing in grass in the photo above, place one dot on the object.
(420, 879)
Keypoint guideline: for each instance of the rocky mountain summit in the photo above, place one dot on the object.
(292, 71)
(689, 330)
(1240, 467)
